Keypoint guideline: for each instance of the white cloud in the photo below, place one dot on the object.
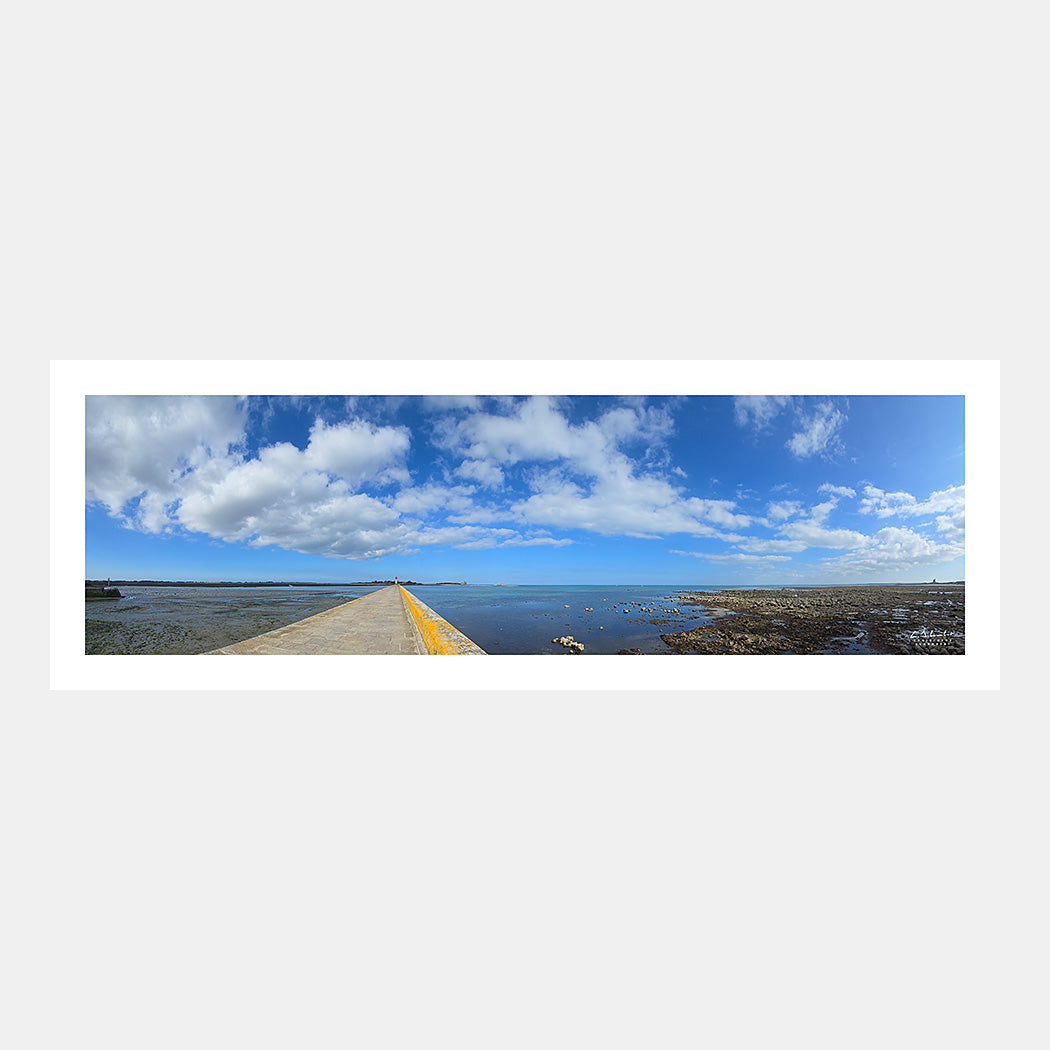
(537, 431)
(446, 402)
(901, 549)
(426, 498)
(950, 501)
(462, 537)
(579, 474)
(885, 503)
(757, 411)
(717, 512)
(623, 504)
(486, 543)
(472, 537)
(140, 446)
(736, 559)
(180, 463)
(227, 498)
(819, 432)
(952, 526)
(754, 545)
(816, 431)
(304, 500)
(818, 514)
(813, 534)
(275, 500)
(783, 510)
(484, 472)
(513, 469)
(354, 526)
(178, 457)
(837, 490)
(358, 450)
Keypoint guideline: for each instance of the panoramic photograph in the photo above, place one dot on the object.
(704, 525)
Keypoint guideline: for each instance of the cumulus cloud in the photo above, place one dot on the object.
(950, 501)
(162, 462)
(579, 475)
(304, 500)
(538, 431)
(354, 526)
(799, 529)
(623, 503)
(138, 447)
(952, 526)
(357, 450)
(813, 534)
(423, 499)
(782, 510)
(484, 472)
(276, 501)
(181, 462)
(498, 472)
(901, 549)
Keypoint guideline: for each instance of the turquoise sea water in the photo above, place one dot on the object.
(502, 620)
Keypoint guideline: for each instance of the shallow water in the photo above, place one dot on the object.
(524, 620)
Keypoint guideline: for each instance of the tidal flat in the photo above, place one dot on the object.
(905, 619)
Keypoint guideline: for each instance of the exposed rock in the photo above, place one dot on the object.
(901, 618)
(570, 643)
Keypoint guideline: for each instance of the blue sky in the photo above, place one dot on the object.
(683, 490)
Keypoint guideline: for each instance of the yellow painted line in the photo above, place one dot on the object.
(440, 638)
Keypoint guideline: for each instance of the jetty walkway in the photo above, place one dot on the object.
(390, 622)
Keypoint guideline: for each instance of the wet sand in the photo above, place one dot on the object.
(177, 621)
(913, 619)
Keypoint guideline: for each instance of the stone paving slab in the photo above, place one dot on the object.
(376, 624)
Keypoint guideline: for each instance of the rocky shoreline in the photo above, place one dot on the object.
(912, 619)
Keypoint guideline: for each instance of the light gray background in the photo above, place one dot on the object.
(389, 870)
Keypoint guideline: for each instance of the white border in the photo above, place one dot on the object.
(72, 380)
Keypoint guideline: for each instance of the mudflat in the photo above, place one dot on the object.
(908, 619)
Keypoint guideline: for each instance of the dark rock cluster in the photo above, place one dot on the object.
(902, 618)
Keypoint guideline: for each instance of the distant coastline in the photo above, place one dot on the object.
(265, 583)
(463, 583)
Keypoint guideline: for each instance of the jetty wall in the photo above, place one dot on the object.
(436, 635)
